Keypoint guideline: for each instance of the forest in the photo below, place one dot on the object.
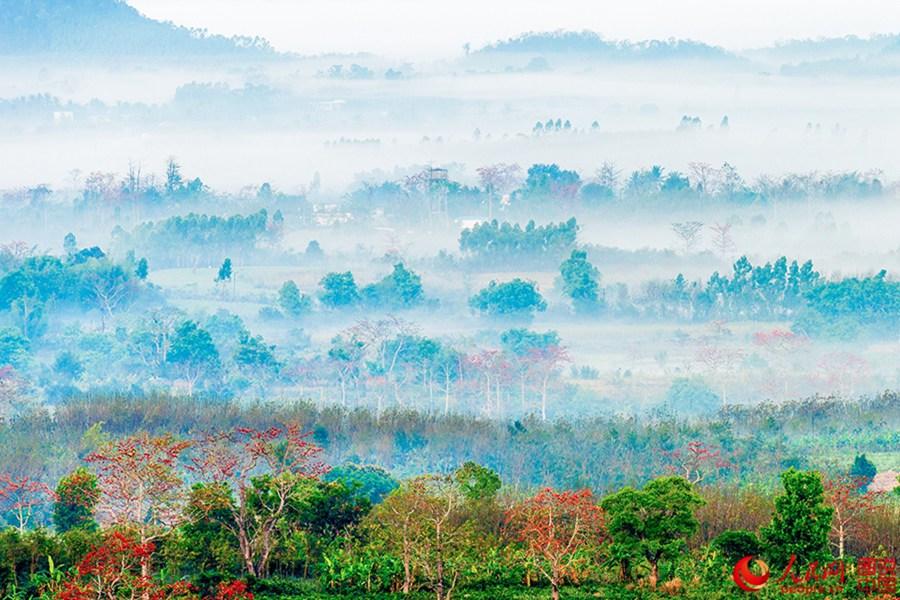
(452, 301)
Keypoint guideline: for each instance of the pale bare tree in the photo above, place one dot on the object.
(497, 180)
(689, 234)
(722, 240)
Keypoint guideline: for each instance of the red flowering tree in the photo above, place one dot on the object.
(844, 494)
(556, 528)
(252, 475)
(113, 569)
(234, 590)
(19, 496)
(141, 486)
(696, 461)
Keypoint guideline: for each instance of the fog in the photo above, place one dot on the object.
(296, 167)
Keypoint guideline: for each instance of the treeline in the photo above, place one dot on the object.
(32, 284)
(550, 187)
(243, 511)
(603, 453)
(198, 238)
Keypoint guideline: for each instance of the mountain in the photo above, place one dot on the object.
(108, 28)
(589, 43)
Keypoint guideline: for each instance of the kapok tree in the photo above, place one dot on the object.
(141, 486)
(850, 504)
(696, 461)
(556, 527)
(252, 476)
(19, 496)
(113, 569)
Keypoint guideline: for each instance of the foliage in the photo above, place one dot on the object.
(516, 298)
(651, 524)
(338, 290)
(581, 282)
(801, 522)
(497, 243)
(77, 496)
(401, 289)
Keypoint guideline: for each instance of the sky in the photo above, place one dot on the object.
(439, 28)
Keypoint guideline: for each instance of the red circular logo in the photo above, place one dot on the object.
(746, 579)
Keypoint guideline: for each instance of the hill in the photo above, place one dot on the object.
(589, 43)
(84, 28)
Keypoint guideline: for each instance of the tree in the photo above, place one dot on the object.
(722, 240)
(115, 569)
(338, 290)
(19, 496)
(556, 528)
(851, 504)
(801, 522)
(77, 496)
(225, 273)
(545, 181)
(256, 358)
(193, 354)
(692, 396)
(581, 282)
(424, 522)
(689, 234)
(497, 180)
(401, 289)
(68, 367)
(652, 523)
(862, 471)
(291, 301)
(141, 487)
(110, 286)
(696, 461)
(142, 269)
(253, 476)
(14, 348)
(366, 481)
(735, 545)
(477, 483)
(70, 244)
(516, 298)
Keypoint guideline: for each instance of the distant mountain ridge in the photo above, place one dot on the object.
(591, 43)
(107, 28)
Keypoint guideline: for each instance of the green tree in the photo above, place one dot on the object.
(70, 244)
(580, 281)
(735, 545)
(142, 269)
(477, 483)
(13, 348)
(68, 367)
(516, 298)
(692, 396)
(77, 495)
(801, 522)
(401, 289)
(651, 524)
(338, 290)
(193, 354)
(367, 481)
(863, 470)
(225, 272)
(256, 358)
(291, 301)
